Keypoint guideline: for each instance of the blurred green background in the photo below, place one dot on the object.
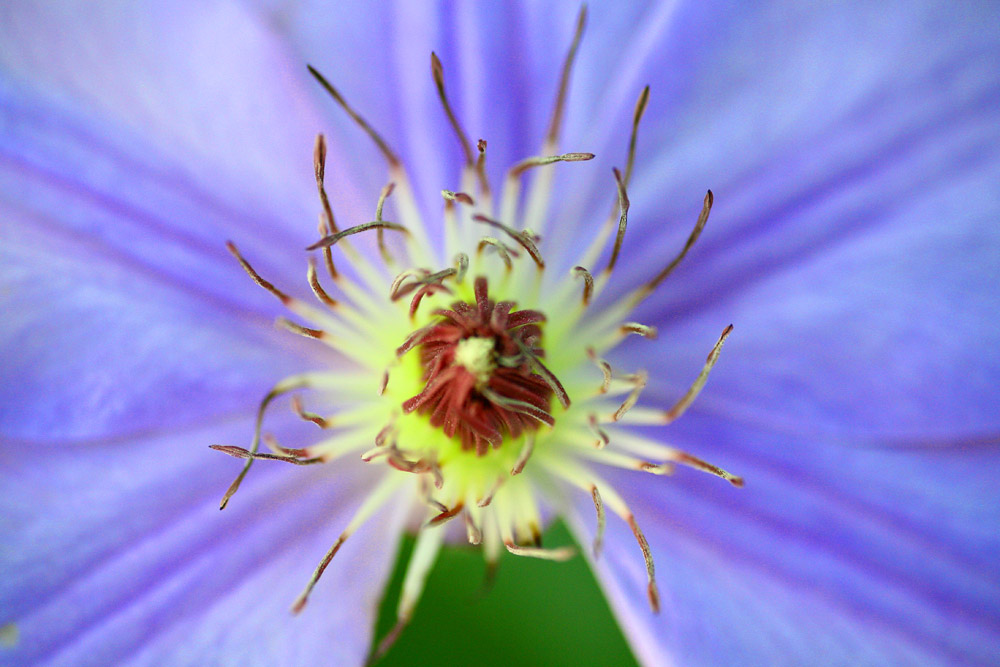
(536, 613)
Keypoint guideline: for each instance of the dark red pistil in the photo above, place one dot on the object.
(480, 410)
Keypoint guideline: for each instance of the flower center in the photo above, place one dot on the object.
(479, 360)
(477, 356)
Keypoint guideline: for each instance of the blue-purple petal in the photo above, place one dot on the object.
(121, 555)
(853, 151)
(874, 556)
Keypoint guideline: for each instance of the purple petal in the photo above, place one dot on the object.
(872, 557)
(125, 165)
(121, 554)
(864, 314)
(157, 136)
(93, 349)
(853, 243)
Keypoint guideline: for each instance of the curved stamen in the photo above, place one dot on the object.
(332, 239)
(699, 225)
(458, 196)
(240, 453)
(283, 387)
(295, 328)
(522, 238)
(643, 330)
(594, 249)
(601, 520)
(500, 248)
(685, 401)
(588, 283)
(375, 500)
(484, 183)
(605, 368)
(540, 161)
(462, 262)
(328, 224)
(380, 234)
(390, 156)
(438, 73)
(623, 205)
(555, 124)
(317, 287)
(308, 416)
(524, 455)
(640, 109)
(557, 554)
(639, 381)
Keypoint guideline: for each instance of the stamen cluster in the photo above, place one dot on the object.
(480, 384)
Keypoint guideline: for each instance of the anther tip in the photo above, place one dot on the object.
(654, 599)
(709, 198)
(640, 105)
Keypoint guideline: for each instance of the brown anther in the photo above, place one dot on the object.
(429, 288)
(380, 234)
(639, 383)
(524, 455)
(605, 370)
(639, 329)
(288, 325)
(317, 288)
(327, 223)
(472, 531)
(623, 205)
(484, 183)
(492, 491)
(602, 437)
(460, 197)
(647, 556)
(308, 416)
(588, 283)
(501, 249)
(595, 495)
(524, 239)
(462, 262)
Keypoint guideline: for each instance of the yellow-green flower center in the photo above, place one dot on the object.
(476, 355)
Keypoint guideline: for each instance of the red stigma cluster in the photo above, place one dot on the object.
(481, 410)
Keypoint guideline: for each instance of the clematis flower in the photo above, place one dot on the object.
(853, 154)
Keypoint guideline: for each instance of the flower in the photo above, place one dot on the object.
(471, 368)
(858, 398)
